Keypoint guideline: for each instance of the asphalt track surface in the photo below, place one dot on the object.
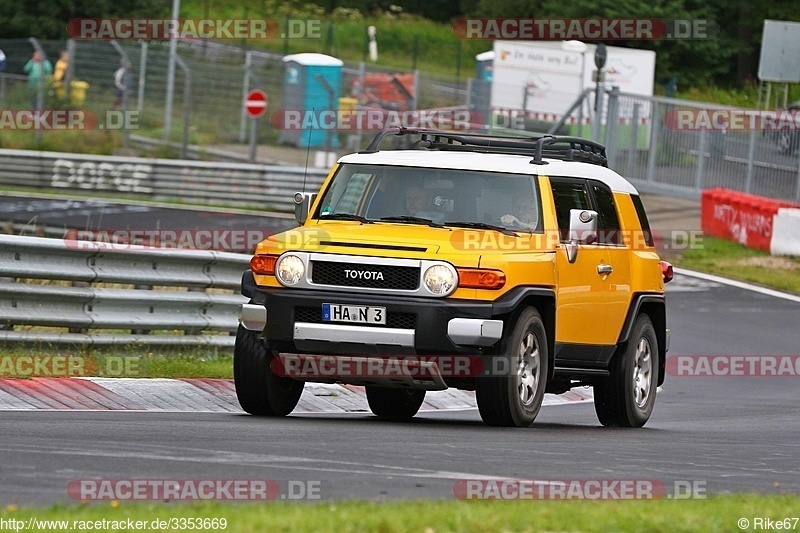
(725, 434)
(108, 215)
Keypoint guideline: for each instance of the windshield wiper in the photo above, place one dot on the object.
(346, 216)
(482, 225)
(412, 220)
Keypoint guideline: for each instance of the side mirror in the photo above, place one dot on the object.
(582, 230)
(302, 205)
(582, 226)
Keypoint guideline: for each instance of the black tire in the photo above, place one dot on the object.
(626, 398)
(259, 390)
(394, 404)
(515, 399)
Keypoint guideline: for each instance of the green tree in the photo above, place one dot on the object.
(47, 19)
(728, 57)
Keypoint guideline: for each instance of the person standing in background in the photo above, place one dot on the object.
(121, 82)
(61, 67)
(60, 74)
(36, 69)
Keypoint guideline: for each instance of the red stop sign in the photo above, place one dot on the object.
(256, 103)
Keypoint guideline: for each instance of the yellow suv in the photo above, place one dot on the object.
(508, 266)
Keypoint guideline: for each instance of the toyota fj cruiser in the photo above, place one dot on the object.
(526, 257)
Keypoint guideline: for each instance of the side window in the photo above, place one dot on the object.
(568, 195)
(639, 206)
(609, 221)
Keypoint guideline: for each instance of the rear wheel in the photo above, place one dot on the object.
(394, 404)
(515, 399)
(259, 390)
(626, 398)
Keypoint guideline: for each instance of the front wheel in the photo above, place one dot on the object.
(626, 398)
(516, 398)
(394, 404)
(259, 390)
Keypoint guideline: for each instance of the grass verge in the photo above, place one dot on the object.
(128, 362)
(734, 260)
(721, 513)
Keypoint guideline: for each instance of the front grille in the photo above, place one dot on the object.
(391, 276)
(313, 315)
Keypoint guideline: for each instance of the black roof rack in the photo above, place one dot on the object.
(547, 146)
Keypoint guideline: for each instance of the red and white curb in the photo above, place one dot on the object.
(206, 396)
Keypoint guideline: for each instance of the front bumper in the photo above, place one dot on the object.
(429, 325)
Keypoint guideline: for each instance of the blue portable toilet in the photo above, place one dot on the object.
(312, 82)
(482, 88)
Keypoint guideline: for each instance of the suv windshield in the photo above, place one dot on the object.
(416, 195)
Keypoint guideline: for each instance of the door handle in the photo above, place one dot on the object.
(604, 269)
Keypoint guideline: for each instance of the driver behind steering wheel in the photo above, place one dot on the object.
(526, 215)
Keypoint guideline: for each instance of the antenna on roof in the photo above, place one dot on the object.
(308, 150)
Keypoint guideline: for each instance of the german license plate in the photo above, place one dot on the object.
(358, 314)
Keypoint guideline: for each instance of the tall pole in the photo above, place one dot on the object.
(176, 6)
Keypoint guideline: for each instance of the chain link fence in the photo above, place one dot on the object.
(643, 143)
(684, 147)
(218, 87)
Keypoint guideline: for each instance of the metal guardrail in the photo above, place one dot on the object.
(213, 183)
(646, 144)
(156, 305)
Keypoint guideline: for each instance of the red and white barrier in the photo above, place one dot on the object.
(786, 232)
(762, 223)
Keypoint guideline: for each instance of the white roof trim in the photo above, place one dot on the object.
(512, 164)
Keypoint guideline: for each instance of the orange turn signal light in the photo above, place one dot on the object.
(480, 278)
(263, 265)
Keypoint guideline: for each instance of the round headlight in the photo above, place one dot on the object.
(290, 269)
(439, 279)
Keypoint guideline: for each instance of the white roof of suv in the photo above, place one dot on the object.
(512, 164)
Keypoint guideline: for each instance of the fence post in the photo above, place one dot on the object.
(597, 120)
(359, 97)
(187, 104)
(468, 102)
(126, 80)
(797, 190)
(142, 76)
(701, 160)
(70, 70)
(248, 61)
(751, 155)
(415, 101)
(632, 154)
(40, 89)
(458, 64)
(655, 126)
(612, 120)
